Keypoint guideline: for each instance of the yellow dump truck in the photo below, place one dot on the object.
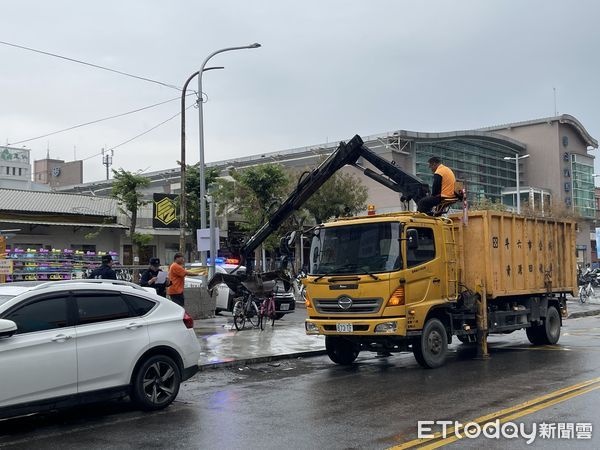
(412, 281)
(408, 281)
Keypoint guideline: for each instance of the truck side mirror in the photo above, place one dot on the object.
(412, 239)
(286, 244)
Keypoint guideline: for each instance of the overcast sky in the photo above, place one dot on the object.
(326, 70)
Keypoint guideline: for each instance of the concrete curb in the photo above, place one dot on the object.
(258, 360)
(591, 312)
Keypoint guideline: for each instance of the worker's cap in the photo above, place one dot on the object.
(155, 262)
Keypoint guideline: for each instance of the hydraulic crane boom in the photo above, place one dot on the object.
(411, 188)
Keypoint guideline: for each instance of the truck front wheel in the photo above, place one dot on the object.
(341, 351)
(548, 332)
(431, 348)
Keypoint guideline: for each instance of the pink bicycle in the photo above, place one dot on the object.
(267, 311)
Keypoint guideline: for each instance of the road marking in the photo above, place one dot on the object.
(507, 414)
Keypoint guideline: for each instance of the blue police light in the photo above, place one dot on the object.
(218, 260)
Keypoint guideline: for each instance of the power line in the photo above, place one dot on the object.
(95, 121)
(91, 65)
(128, 140)
(138, 135)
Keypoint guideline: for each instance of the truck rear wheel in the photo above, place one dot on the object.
(341, 351)
(431, 348)
(548, 332)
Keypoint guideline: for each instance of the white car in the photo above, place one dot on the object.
(64, 343)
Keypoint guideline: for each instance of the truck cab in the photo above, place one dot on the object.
(373, 280)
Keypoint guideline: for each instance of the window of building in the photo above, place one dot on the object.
(20, 171)
(14, 171)
(7, 170)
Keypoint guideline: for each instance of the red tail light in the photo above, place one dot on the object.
(188, 321)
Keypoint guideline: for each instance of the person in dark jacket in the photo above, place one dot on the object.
(105, 271)
(150, 278)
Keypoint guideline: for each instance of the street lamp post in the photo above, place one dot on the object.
(517, 158)
(183, 200)
(201, 141)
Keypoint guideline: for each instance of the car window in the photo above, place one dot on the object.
(140, 306)
(100, 307)
(44, 314)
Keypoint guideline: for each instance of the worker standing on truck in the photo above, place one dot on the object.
(443, 185)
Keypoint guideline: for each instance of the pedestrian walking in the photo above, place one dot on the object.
(177, 274)
(105, 271)
(155, 277)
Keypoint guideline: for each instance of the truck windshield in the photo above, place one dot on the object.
(356, 249)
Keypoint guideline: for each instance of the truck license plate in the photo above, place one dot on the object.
(284, 307)
(343, 327)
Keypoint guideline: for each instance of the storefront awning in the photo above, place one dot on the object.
(65, 224)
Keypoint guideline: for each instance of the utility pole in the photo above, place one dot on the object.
(107, 159)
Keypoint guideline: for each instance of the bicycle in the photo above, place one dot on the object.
(268, 311)
(586, 290)
(245, 310)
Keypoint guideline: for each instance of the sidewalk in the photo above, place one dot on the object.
(589, 308)
(223, 346)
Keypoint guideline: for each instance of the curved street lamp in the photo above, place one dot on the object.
(182, 199)
(201, 163)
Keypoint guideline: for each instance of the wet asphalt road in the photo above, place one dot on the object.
(376, 403)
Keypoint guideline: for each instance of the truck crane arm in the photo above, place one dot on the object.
(410, 186)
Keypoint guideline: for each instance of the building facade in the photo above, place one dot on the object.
(15, 170)
(557, 173)
(56, 172)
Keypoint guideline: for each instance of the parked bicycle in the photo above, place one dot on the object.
(245, 310)
(586, 290)
(268, 311)
(250, 292)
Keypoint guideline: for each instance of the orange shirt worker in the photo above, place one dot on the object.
(177, 274)
(443, 185)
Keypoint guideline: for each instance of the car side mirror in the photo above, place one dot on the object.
(412, 239)
(7, 328)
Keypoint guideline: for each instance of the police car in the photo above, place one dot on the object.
(284, 301)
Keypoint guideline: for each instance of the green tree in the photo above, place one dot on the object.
(254, 193)
(125, 189)
(342, 195)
